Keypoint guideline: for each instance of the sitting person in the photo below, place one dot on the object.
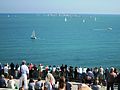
(55, 86)
(83, 87)
(2, 82)
(96, 85)
(31, 85)
(47, 85)
(11, 83)
(68, 85)
(38, 84)
(62, 83)
(49, 81)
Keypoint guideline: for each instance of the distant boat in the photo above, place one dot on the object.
(95, 18)
(109, 28)
(33, 35)
(83, 20)
(65, 19)
(8, 16)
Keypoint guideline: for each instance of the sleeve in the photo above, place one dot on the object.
(27, 70)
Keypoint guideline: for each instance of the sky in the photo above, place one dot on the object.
(60, 6)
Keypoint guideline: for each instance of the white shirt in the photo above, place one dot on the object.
(84, 70)
(11, 84)
(24, 69)
(5, 69)
(54, 68)
(80, 70)
(101, 70)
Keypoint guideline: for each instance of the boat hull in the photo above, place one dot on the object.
(33, 38)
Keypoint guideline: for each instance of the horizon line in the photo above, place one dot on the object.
(59, 13)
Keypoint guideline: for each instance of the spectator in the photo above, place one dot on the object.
(24, 72)
(96, 85)
(83, 87)
(62, 84)
(50, 78)
(30, 70)
(106, 73)
(40, 70)
(2, 82)
(1, 69)
(31, 85)
(11, 83)
(101, 76)
(38, 84)
(6, 70)
(47, 85)
(12, 71)
(111, 78)
(95, 72)
(55, 86)
(80, 74)
(75, 73)
(68, 85)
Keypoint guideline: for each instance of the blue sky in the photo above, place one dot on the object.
(60, 6)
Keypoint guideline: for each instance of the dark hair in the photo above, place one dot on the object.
(62, 82)
(39, 78)
(31, 80)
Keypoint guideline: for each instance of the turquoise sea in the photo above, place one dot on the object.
(78, 40)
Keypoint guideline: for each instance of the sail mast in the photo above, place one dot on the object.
(33, 33)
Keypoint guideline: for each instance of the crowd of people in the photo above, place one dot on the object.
(57, 77)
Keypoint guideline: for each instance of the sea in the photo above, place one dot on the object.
(86, 40)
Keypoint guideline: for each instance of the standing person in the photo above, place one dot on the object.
(16, 70)
(24, 73)
(30, 70)
(101, 75)
(6, 70)
(111, 79)
(12, 71)
(1, 69)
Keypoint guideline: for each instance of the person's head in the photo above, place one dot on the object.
(83, 87)
(62, 82)
(111, 70)
(2, 76)
(115, 70)
(39, 78)
(10, 77)
(96, 81)
(31, 80)
(23, 62)
(67, 79)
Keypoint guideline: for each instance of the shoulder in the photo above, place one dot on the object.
(24, 66)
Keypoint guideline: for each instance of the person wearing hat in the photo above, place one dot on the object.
(24, 73)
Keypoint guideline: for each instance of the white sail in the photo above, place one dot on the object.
(65, 19)
(8, 15)
(83, 20)
(95, 18)
(33, 35)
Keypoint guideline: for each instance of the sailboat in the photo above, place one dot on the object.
(95, 18)
(65, 19)
(33, 35)
(83, 21)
